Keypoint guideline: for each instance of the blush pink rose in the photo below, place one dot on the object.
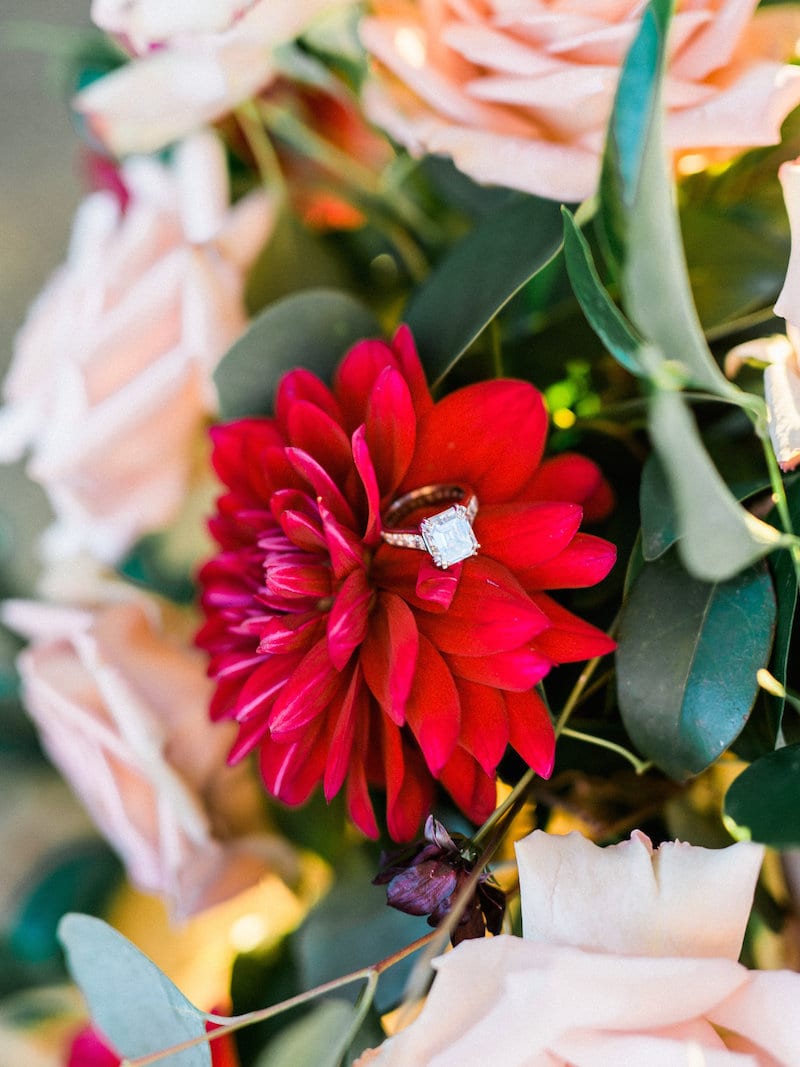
(120, 700)
(110, 385)
(518, 92)
(628, 957)
(215, 55)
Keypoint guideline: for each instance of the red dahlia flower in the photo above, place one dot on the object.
(346, 659)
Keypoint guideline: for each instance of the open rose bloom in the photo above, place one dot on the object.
(110, 386)
(628, 958)
(120, 702)
(519, 93)
(346, 660)
(197, 62)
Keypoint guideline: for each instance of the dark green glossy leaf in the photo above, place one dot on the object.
(639, 220)
(83, 877)
(312, 329)
(133, 1002)
(478, 278)
(603, 315)
(659, 522)
(353, 927)
(687, 661)
(765, 799)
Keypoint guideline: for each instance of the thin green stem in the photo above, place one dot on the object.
(259, 143)
(640, 766)
(778, 489)
(227, 1025)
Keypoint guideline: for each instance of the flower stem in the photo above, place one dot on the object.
(227, 1025)
(778, 488)
(259, 143)
(640, 766)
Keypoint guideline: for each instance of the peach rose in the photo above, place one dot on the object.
(215, 56)
(628, 957)
(519, 93)
(121, 702)
(111, 383)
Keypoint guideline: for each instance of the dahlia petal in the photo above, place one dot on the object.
(586, 561)
(518, 669)
(236, 443)
(409, 789)
(353, 706)
(223, 701)
(389, 654)
(435, 585)
(356, 376)
(348, 618)
(570, 477)
(298, 580)
(292, 771)
(301, 385)
(307, 692)
(366, 470)
(405, 351)
(231, 663)
(530, 731)
(322, 484)
(391, 429)
(526, 534)
(250, 735)
(301, 531)
(472, 789)
(290, 633)
(359, 804)
(257, 695)
(453, 445)
(569, 638)
(490, 613)
(345, 549)
(433, 710)
(484, 723)
(315, 432)
(398, 570)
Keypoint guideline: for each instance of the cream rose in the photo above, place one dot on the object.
(216, 55)
(121, 703)
(628, 957)
(111, 378)
(781, 354)
(518, 92)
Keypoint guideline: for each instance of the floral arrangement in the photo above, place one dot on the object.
(416, 617)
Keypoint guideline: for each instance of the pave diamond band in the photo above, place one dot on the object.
(447, 535)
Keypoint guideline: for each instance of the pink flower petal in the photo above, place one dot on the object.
(523, 535)
(530, 730)
(389, 654)
(484, 723)
(518, 669)
(306, 694)
(433, 711)
(391, 426)
(568, 638)
(469, 785)
(586, 561)
(348, 618)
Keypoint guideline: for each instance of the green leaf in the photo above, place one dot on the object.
(478, 278)
(601, 312)
(353, 927)
(133, 1002)
(319, 1039)
(718, 537)
(312, 329)
(639, 220)
(687, 661)
(765, 799)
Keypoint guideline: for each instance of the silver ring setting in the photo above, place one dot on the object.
(446, 536)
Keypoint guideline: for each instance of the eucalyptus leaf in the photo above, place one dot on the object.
(130, 999)
(312, 329)
(718, 537)
(639, 219)
(478, 278)
(601, 312)
(765, 799)
(687, 661)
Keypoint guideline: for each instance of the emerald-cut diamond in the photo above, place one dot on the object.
(448, 536)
